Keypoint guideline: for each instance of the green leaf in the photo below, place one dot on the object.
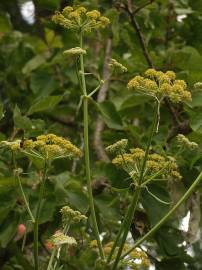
(105, 201)
(196, 99)
(196, 122)
(150, 203)
(35, 62)
(78, 200)
(7, 198)
(8, 229)
(21, 122)
(133, 100)
(110, 115)
(44, 104)
(170, 263)
(6, 183)
(43, 83)
(5, 25)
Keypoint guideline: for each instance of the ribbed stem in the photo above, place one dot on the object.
(86, 153)
(36, 223)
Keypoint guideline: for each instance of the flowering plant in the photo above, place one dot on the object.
(104, 150)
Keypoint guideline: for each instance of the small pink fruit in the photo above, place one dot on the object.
(49, 245)
(21, 229)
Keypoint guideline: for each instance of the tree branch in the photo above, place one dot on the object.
(99, 148)
(143, 6)
(179, 127)
(136, 26)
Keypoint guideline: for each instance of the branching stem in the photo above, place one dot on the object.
(125, 227)
(166, 217)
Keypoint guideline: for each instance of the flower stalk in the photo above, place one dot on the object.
(86, 150)
(22, 192)
(36, 223)
(130, 213)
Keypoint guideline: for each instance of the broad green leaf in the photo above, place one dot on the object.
(196, 99)
(169, 240)
(196, 122)
(44, 104)
(21, 122)
(7, 198)
(150, 203)
(110, 115)
(52, 39)
(35, 62)
(7, 183)
(8, 229)
(105, 201)
(133, 100)
(78, 200)
(43, 83)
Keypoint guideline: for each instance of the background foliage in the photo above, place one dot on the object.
(39, 93)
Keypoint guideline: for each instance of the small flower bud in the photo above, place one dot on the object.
(75, 51)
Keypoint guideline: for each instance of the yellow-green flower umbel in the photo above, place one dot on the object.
(47, 147)
(78, 18)
(159, 85)
(156, 165)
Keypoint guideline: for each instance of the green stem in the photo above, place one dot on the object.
(22, 191)
(153, 129)
(24, 198)
(130, 213)
(165, 218)
(51, 259)
(86, 152)
(36, 223)
(153, 176)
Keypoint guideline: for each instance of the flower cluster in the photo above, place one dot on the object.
(186, 143)
(117, 66)
(59, 238)
(136, 259)
(117, 147)
(71, 216)
(78, 18)
(138, 254)
(75, 51)
(156, 165)
(47, 147)
(198, 85)
(159, 84)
